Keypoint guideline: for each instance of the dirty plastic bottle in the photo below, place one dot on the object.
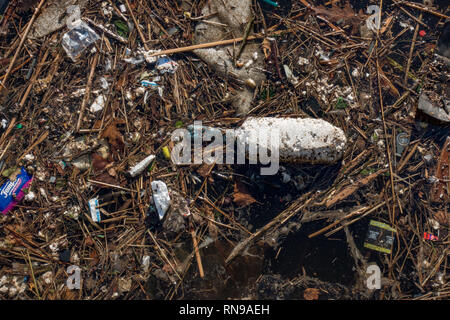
(299, 140)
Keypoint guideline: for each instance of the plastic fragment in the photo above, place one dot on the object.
(95, 212)
(161, 197)
(290, 76)
(166, 152)
(78, 39)
(149, 84)
(402, 143)
(430, 109)
(139, 168)
(165, 64)
(98, 104)
(429, 236)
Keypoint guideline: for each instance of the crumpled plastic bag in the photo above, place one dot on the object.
(79, 37)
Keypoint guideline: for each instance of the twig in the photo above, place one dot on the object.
(22, 41)
(387, 144)
(162, 251)
(110, 185)
(415, 6)
(38, 141)
(32, 275)
(107, 31)
(218, 43)
(88, 91)
(197, 254)
(137, 26)
(411, 49)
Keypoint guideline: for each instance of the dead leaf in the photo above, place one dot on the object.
(311, 294)
(94, 258)
(106, 178)
(88, 241)
(98, 163)
(241, 196)
(112, 133)
(112, 172)
(266, 47)
(442, 217)
(167, 269)
(336, 14)
(68, 294)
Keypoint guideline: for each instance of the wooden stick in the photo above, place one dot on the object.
(8, 131)
(388, 151)
(351, 214)
(220, 43)
(110, 185)
(137, 26)
(415, 6)
(356, 219)
(205, 45)
(22, 41)
(107, 31)
(88, 91)
(411, 49)
(33, 79)
(197, 254)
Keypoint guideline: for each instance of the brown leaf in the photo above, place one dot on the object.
(311, 294)
(241, 196)
(106, 178)
(337, 14)
(98, 163)
(112, 133)
(266, 47)
(94, 258)
(68, 294)
(88, 241)
(442, 217)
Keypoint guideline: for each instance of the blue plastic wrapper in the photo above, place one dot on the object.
(165, 64)
(11, 192)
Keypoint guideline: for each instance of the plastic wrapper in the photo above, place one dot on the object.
(11, 192)
(93, 208)
(78, 39)
(380, 237)
(165, 64)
